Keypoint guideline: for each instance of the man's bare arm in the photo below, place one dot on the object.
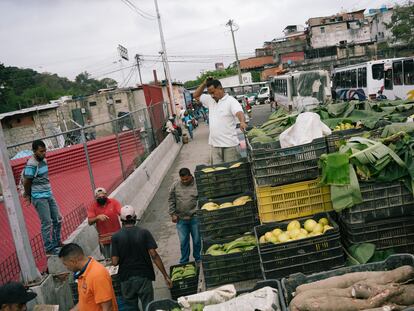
(240, 116)
(106, 306)
(197, 93)
(158, 262)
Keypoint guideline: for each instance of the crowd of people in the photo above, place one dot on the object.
(121, 241)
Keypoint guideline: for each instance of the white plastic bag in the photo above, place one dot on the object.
(214, 296)
(307, 127)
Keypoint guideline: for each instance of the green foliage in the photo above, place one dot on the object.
(214, 73)
(255, 76)
(22, 88)
(402, 23)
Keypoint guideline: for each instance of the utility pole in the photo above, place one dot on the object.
(230, 23)
(165, 61)
(138, 60)
(14, 211)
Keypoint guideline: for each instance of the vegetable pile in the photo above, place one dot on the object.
(179, 273)
(294, 231)
(379, 290)
(242, 244)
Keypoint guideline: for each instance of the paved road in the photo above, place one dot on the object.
(260, 114)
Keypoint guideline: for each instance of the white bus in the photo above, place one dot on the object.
(251, 90)
(301, 90)
(393, 77)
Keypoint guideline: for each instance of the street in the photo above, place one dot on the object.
(260, 114)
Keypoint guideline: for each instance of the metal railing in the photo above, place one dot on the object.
(79, 160)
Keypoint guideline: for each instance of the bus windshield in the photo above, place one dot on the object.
(378, 71)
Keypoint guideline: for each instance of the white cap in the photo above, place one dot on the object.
(100, 190)
(127, 211)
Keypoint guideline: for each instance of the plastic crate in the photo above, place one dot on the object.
(168, 304)
(229, 268)
(276, 166)
(227, 221)
(292, 201)
(290, 284)
(186, 286)
(223, 182)
(395, 234)
(163, 304)
(380, 201)
(333, 140)
(309, 255)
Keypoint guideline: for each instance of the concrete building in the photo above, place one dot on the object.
(379, 19)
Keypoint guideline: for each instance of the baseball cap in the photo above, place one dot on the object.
(127, 211)
(15, 292)
(100, 190)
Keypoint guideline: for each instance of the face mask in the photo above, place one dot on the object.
(101, 201)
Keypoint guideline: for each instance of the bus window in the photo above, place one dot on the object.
(388, 80)
(398, 73)
(348, 78)
(377, 71)
(353, 78)
(362, 77)
(409, 72)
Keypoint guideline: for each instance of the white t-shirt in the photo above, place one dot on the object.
(222, 120)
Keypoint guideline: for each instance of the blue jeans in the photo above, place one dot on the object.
(184, 229)
(49, 215)
(190, 130)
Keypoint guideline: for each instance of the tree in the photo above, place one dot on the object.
(231, 71)
(402, 24)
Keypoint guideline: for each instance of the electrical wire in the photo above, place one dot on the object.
(138, 11)
(129, 76)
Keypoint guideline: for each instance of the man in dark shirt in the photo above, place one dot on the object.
(132, 249)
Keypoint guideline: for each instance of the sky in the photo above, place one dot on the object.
(68, 37)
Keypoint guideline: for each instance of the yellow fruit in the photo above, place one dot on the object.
(262, 239)
(210, 206)
(294, 233)
(276, 232)
(323, 221)
(242, 200)
(220, 168)
(309, 225)
(326, 228)
(303, 231)
(301, 235)
(268, 236)
(273, 239)
(294, 224)
(318, 228)
(317, 233)
(225, 205)
(208, 170)
(236, 165)
(283, 237)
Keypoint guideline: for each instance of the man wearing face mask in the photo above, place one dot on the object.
(38, 191)
(104, 212)
(182, 203)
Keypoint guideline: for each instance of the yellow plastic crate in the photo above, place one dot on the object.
(292, 201)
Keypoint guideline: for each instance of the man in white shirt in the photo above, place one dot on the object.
(224, 110)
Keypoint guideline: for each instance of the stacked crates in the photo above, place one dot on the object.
(185, 286)
(287, 188)
(384, 218)
(219, 184)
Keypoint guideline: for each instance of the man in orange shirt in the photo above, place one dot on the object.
(104, 212)
(94, 282)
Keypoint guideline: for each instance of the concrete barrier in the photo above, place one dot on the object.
(137, 190)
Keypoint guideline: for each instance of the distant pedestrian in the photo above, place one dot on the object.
(14, 296)
(224, 112)
(170, 128)
(104, 212)
(95, 289)
(38, 191)
(132, 249)
(182, 202)
(188, 122)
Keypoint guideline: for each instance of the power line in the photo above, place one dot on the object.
(138, 11)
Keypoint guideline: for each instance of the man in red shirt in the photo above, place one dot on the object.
(104, 212)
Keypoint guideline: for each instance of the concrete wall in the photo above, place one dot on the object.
(331, 34)
(138, 190)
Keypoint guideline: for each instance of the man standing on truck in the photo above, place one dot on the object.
(224, 110)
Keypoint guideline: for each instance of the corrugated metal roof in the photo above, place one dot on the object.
(27, 110)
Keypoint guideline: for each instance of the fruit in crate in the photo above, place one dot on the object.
(226, 205)
(235, 165)
(182, 272)
(295, 232)
(242, 200)
(208, 170)
(242, 244)
(220, 168)
(344, 126)
(210, 206)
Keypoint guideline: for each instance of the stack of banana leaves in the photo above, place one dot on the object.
(242, 244)
(369, 114)
(362, 159)
(269, 131)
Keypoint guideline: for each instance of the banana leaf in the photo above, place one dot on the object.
(346, 196)
(335, 169)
